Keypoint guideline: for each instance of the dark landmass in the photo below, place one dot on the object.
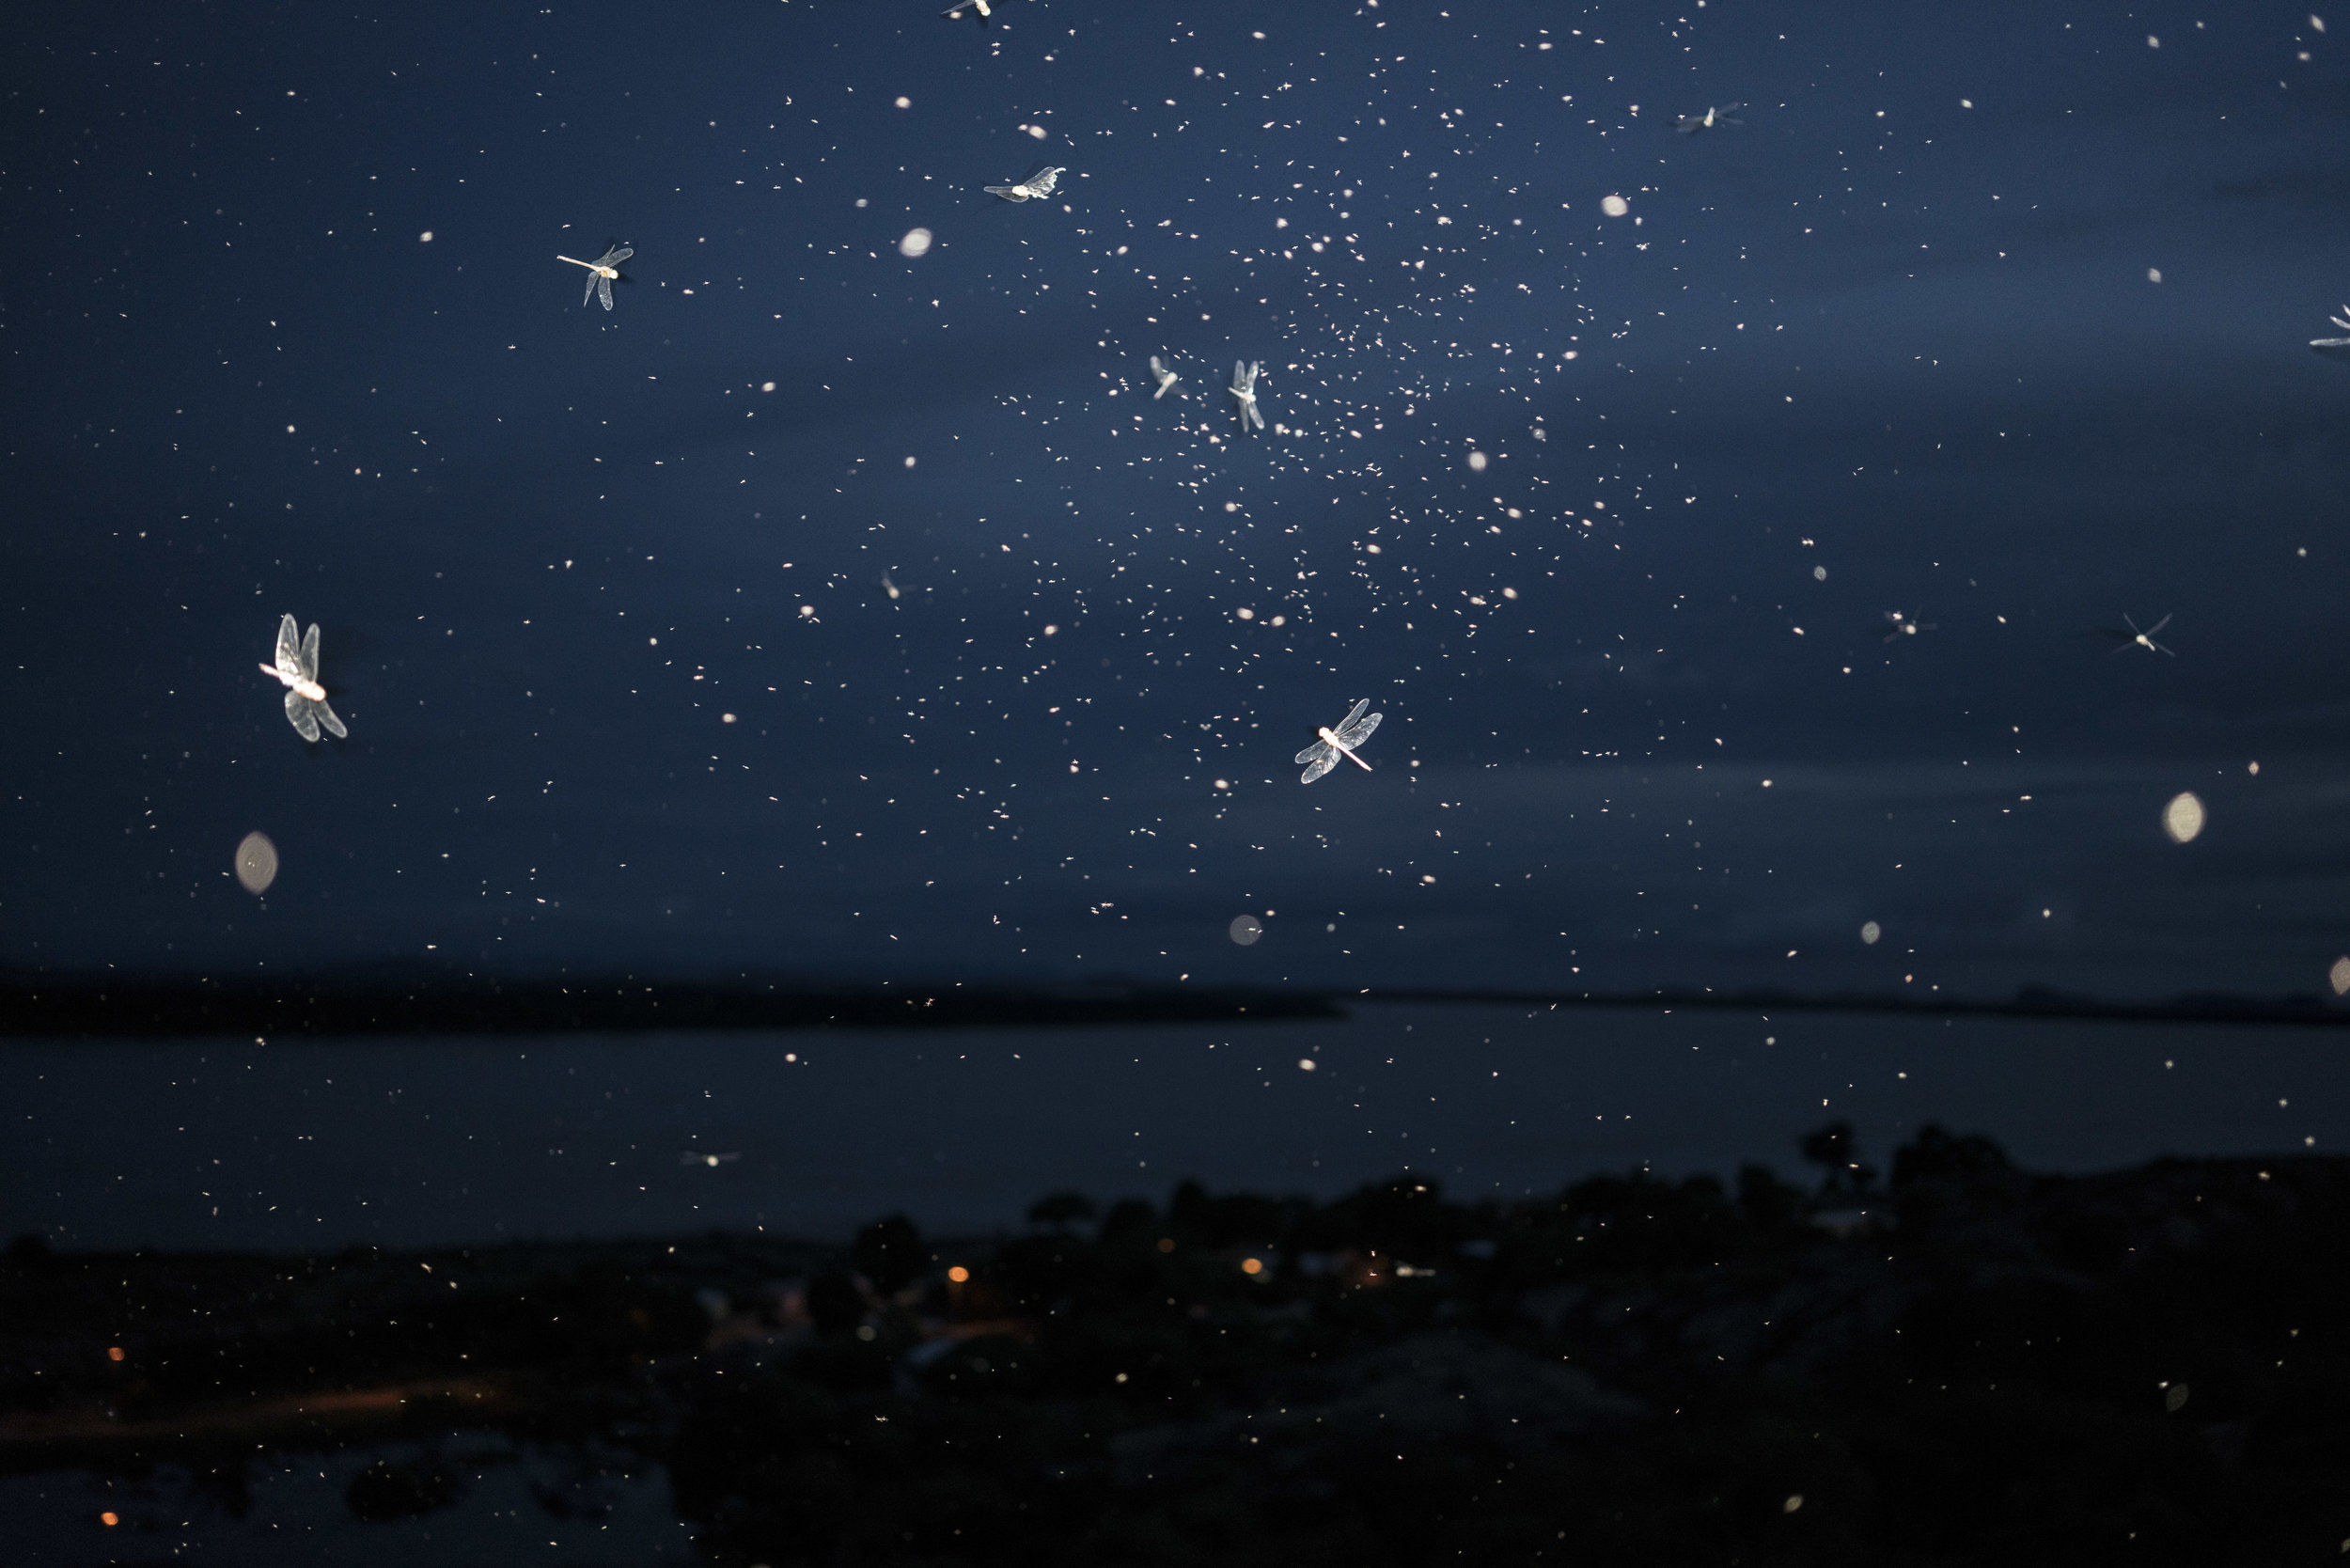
(1965, 1363)
(81, 1005)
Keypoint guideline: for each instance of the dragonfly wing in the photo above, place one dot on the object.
(1041, 182)
(288, 645)
(1319, 766)
(619, 253)
(1318, 752)
(2158, 625)
(1009, 192)
(1353, 714)
(1358, 731)
(1251, 414)
(327, 719)
(298, 714)
(592, 281)
(311, 653)
(603, 290)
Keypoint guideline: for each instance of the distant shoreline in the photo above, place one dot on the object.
(114, 1007)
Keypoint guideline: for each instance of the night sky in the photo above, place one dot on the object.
(1994, 317)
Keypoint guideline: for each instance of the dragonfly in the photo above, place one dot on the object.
(1353, 730)
(1040, 184)
(1165, 377)
(1899, 625)
(2335, 348)
(980, 8)
(1245, 387)
(1689, 124)
(297, 666)
(2135, 638)
(603, 272)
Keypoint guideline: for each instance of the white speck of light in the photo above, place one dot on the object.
(1477, 463)
(767, 386)
(426, 236)
(906, 103)
(2154, 274)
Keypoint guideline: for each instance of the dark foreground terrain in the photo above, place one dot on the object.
(1962, 1363)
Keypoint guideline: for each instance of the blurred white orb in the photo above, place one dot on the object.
(1246, 929)
(257, 862)
(917, 243)
(1614, 206)
(2183, 819)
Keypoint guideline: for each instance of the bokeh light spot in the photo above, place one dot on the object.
(917, 243)
(1870, 932)
(1246, 929)
(1614, 206)
(2183, 819)
(257, 862)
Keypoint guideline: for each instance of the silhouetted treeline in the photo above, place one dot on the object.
(1961, 1362)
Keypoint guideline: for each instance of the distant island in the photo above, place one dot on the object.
(446, 1001)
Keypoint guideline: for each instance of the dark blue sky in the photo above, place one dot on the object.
(1873, 331)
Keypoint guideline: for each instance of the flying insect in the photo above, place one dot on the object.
(1039, 184)
(1324, 755)
(603, 273)
(297, 667)
(1245, 387)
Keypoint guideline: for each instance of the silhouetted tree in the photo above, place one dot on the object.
(1767, 1202)
(1128, 1214)
(1059, 1210)
(1935, 1155)
(1832, 1148)
(835, 1305)
(889, 1253)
